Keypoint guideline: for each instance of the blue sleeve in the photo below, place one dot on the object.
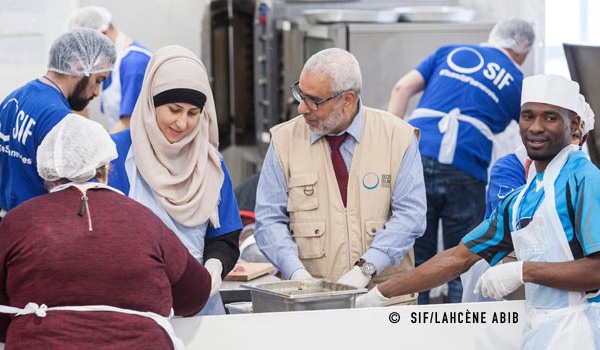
(131, 73)
(427, 66)
(491, 239)
(506, 175)
(584, 187)
(229, 214)
(117, 175)
(272, 222)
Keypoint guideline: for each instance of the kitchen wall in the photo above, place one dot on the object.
(28, 27)
(530, 10)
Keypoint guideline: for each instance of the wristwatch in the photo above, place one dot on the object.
(366, 267)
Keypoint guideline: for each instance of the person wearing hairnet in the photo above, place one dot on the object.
(169, 161)
(94, 269)
(122, 87)
(79, 61)
(549, 223)
(470, 93)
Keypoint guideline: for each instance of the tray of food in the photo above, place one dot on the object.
(302, 295)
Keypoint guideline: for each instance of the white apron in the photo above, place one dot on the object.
(191, 237)
(448, 126)
(111, 96)
(556, 319)
(40, 311)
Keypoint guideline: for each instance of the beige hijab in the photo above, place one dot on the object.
(186, 176)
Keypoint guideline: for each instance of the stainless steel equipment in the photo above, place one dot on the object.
(258, 47)
(583, 67)
(302, 295)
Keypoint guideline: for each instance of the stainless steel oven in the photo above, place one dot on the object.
(257, 49)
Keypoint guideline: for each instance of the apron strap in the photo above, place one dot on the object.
(40, 311)
(448, 127)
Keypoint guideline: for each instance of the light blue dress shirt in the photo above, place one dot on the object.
(409, 207)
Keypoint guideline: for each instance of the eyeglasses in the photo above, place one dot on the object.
(311, 102)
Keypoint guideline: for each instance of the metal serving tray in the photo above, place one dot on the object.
(302, 295)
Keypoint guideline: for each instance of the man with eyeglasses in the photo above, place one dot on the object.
(341, 194)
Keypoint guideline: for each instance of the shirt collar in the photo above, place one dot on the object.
(354, 129)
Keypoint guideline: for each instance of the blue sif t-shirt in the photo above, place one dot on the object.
(26, 117)
(484, 83)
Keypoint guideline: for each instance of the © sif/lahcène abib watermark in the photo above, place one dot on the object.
(458, 317)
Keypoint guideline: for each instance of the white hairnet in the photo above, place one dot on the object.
(558, 91)
(515, 34)
(82, 52)
(94, 17)
(74, 149)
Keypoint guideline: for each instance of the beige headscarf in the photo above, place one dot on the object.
(186, 176)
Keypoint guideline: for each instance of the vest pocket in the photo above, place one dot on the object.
(371, 229)
(302, 192)
(309, 238)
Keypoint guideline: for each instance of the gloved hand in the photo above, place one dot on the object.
(354, 278)
(215, 268)
(500, 280)
(373, 298)
(300, 274)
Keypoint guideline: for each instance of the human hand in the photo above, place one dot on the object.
(500, 280)
(354, 278)
(373, 298)
(300, 274)
(215, 268)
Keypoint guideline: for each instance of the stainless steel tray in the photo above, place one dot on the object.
(302, 295)
(350, 16)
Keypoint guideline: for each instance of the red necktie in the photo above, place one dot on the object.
(341, 173)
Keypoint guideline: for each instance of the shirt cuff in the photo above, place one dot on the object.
(289, 266)
(377, 258)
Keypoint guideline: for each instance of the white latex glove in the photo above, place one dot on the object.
(372, 299)
(215, 268)
(354, 278)
(500, 280)
(300, 274)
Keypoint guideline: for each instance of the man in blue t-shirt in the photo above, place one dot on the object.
(548, 222)
(122, 87)
(79, 61)
(470, 93)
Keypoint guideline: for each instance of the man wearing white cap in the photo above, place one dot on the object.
(548, 223)
(122, 88)
(506, 175)
(471, 93)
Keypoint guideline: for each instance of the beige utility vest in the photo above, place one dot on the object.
(332, 238)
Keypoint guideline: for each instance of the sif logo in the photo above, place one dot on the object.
(23, 124)
(467, 60)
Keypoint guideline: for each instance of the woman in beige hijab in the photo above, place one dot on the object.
(169, 161)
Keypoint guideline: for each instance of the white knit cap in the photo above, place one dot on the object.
(74, 149)
(558, 91)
